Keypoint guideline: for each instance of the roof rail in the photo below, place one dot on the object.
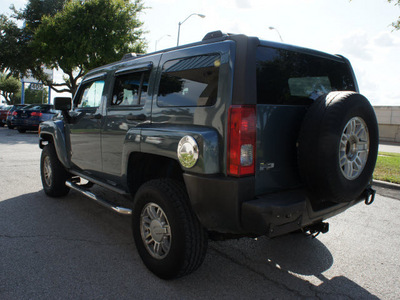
(213, 35)
(130, 55)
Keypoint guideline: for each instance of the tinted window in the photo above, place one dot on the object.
(130, 89)
(42, 108)
(90, 94)
(287, 77)
(190, 81)
(26, 107)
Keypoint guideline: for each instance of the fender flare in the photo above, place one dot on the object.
(54, 132)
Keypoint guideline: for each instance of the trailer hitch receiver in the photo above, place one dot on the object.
(369, 195)
(315, 229)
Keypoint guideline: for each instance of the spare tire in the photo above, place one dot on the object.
(338, 147)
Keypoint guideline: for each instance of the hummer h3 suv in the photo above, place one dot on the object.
(232, 135)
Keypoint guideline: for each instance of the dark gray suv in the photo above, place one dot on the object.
(230, 136)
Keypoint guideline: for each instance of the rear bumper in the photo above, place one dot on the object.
(284, 212)
(229, 205)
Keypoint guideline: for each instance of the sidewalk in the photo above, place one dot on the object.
(389, 147)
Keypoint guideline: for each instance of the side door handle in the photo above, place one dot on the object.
(141, 117)
(96, 116)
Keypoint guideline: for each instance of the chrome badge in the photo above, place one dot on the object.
(188, 151)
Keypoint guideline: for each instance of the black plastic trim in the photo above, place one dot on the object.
(229, 205)
(217, 200)
(98, 182)
(135, 68)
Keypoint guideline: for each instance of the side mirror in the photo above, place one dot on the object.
(62, 103)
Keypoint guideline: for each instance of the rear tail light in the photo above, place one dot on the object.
(241, 140)
(36, 114)
(14, 113)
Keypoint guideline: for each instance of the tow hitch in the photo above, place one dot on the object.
(315, 229)
(369, 195)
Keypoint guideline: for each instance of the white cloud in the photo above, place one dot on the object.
(375, 60)
(5, 5)
(385, 39)
(356, 44)
(242, 4)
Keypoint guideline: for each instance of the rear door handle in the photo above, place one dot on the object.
(140, 117)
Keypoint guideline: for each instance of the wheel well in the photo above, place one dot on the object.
(143, 167)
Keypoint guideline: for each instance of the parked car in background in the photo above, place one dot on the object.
(29, 117)
(3, 114)
(10, 112)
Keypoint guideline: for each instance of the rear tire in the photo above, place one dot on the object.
(21, 130)
(338, 147)
(168, 236)
(53, 173)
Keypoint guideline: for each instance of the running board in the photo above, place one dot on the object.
(103, 202)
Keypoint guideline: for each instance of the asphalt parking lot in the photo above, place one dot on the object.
(72, 248)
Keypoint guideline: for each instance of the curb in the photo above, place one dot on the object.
(387, 185)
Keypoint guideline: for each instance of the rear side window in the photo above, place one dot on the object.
(293, 78)
(131, 89)
(190, 81)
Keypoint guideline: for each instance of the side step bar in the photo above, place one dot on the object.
(103, 202)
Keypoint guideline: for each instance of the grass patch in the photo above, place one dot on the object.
(388, 167)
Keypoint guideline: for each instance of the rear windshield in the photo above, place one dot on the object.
(16, 107)
(292, 78)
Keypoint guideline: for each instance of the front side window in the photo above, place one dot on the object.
(130, 89)
(91, 94)
(292, 78)
(190, 81)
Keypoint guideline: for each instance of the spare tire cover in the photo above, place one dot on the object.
(338, 147)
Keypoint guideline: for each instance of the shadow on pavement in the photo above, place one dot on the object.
(73, 248)
(293, 262)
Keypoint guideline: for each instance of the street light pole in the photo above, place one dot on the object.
(273, 28)
(180, 23)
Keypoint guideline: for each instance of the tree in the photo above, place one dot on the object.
(16, 55)
(71, 35)
(9, 87)
(88, 34)
(35, 96)
(396, 24)
(10, 45)
(34, 11)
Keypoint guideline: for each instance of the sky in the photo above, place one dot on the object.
(359, 30)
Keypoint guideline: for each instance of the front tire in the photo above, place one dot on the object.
(53, 173)
(168, 236)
